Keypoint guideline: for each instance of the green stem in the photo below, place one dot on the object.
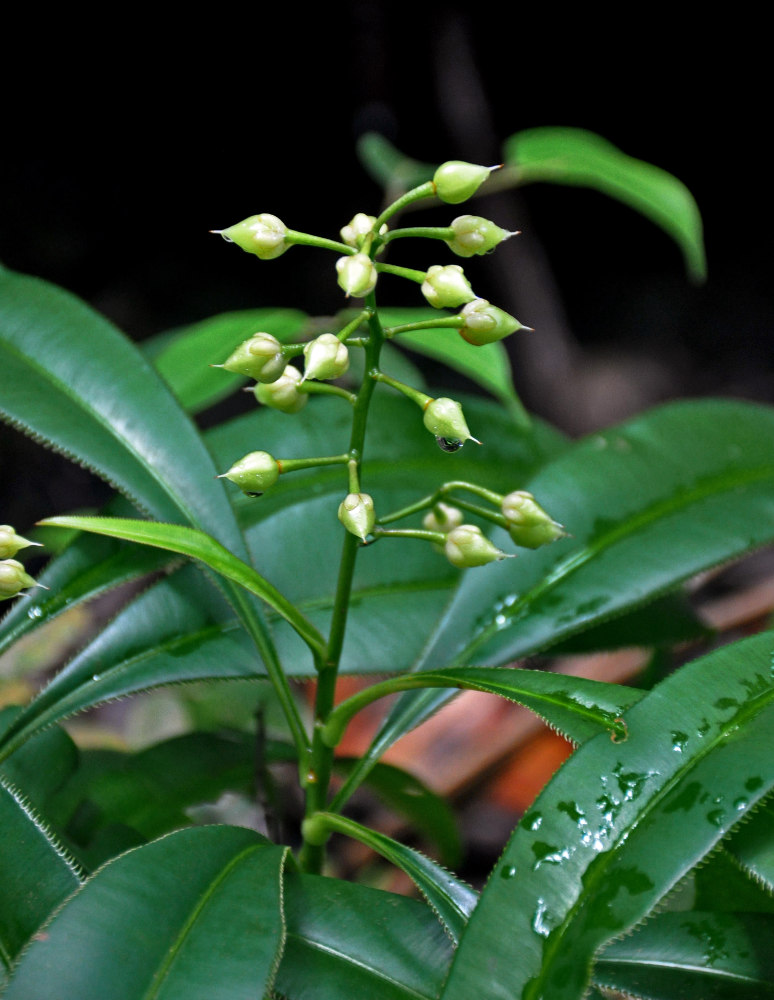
(351, 327)
(312, 853)
(402, 272)
(426, 190)
(294, 464)
(426, 536)
(422, 232)
(443, 491)
(420, 398)
(307, 240)
(452, 322)
(313, 388)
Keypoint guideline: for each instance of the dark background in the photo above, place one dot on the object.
(126, 141)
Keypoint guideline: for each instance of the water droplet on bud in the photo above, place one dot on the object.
(448, 444)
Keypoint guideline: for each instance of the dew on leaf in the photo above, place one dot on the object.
(679, 740)
(508, 871)
(541, 922)
(753, 784)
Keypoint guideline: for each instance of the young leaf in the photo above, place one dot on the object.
(580, 158)
(452, 900)
(162, 917)
(620, 824)
(753, 849)
(709, 955)
(346, 940)
(36, 873)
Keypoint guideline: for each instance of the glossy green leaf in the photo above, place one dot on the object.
(620, 824)
(488, 366)
(724, 886)
(580, 158)
(753, 847)
(451, 899)
(36, 873)
(428, 813)
(42, 766)
(159, 921)
(709, 955)
(184, 357)
(196, 545)
(69, 378)
(346, 940)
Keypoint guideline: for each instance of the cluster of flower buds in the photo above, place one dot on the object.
(13, 577)
(528, 524)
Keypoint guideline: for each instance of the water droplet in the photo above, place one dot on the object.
(249, 493)
(678, 741)
(548, 854)
(34, 613)
(723, 703)
(716, 817)
(508, 871)
(501, 621)
(740, 804)
(753, 784)
(533, 821)
(573, 810)
(448, 444)
(541, 923)
(96, 677)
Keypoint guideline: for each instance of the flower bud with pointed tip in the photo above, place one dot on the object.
(355, 232)
(326, 357)
(259, 357)
(264, 235)
(474, 235)
(13, 579)
(10, 542)
(456, 181)
(357, 275)
(283, 394)
(356, 513)
(467, 546)
(485, 323)
(528, 524)
(446, 287)
(444, 418)
(443, 518)
(254, 474)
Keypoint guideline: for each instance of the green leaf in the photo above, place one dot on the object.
(427, 812)
(451, 899)
(753, 847)
(389, 167)
(69, 378)
(159, 921)
(346, 940)
(709, 955)
(620, 824)
(42, 766)
(488, 366)
(580, 158)
(196, 545)
(722, 885)
(184, 357)
(35, 870)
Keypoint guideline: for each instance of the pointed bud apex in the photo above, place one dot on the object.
(528, 524)
(259, 357)
(357, 275)
(466, 546)
(264, 235)
(13, 579)
(10, 542)
(484, 323)
(283, 394)
(474, 235)
(326, 357)
(444, 418)
(356, 513)
(456, 181)
(354, 234)
(446, 287)
(254, 473)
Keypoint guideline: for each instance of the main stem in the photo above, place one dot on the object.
(312, 856)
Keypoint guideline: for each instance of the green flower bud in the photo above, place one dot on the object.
(456, 181)
(357, 275)
(528, 524)
(446, 287)
(259, 357)
(356, 513)
(254, 473)
(466, 546)
(355, 232)
(474, 235)
(326, 357)
(444, 418)
(443, 517)
(13, 579)
(264, 235)
(484, 323)
(283, 394)
(10, 542)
